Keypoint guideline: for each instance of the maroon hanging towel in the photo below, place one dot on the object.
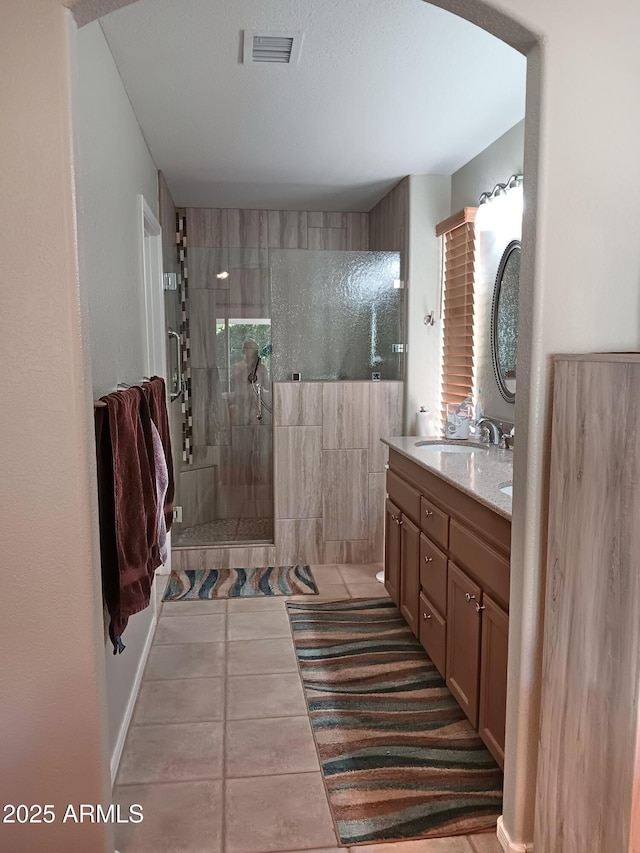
(128, 506)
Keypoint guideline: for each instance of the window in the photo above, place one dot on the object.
(458, 233)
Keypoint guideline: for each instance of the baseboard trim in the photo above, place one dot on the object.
(507, 844)
(135, 689)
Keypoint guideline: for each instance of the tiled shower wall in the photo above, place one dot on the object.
(251, 233)
(329, 469)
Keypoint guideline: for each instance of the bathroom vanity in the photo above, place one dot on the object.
(447, 544)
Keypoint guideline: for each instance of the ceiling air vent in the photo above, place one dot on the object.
(271, 47)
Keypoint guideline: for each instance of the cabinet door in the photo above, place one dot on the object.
(493, 677)
(463, 640)
(410, 573)
(433, 634)
(392, 521)
(433, 573)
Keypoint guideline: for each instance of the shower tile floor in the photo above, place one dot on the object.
(220, 752)
(223, 531)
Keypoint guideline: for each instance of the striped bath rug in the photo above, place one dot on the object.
(194, 584)
(399, 758)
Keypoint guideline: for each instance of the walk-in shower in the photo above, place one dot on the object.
(324, 315)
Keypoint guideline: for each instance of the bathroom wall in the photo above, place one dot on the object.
(329, 469)
(429, 203)
(497, 223)
(211, 484)
(113, 166)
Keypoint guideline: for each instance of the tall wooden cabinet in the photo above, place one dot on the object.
(447, 569)
(588, 789)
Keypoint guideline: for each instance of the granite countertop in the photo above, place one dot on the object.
(479, 474)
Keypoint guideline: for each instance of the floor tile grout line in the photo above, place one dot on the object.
(170, 781)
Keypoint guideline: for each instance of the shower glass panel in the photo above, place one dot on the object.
(227, 485)
(337, 315)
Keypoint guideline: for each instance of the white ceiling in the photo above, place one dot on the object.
(383, 88)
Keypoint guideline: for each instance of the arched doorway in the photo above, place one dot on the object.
(522, 727)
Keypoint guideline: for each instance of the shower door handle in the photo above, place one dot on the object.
(178, 385)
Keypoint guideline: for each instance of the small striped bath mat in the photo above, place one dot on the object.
(194, 584)
(399, 758)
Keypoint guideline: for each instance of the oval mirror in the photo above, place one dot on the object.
(504, 321)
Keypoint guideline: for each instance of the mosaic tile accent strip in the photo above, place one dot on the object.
(185, 338)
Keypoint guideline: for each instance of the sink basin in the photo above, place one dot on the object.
(450, 447)
(507, 490)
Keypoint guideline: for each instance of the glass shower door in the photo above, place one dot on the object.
(226, 478)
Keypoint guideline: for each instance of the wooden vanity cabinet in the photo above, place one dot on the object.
(463, 642)
(447, 569)
(392, 517)
(410, 573)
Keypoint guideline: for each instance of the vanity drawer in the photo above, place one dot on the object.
(433, 633)
(404, 496)
(434, 522)
(433, 573)
(486, 565)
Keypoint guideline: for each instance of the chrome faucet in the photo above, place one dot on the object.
(495, 430)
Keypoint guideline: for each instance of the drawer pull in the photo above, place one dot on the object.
(428, 559)
(479, 608)
(426, 616)
(470, 597)
(397, 519)
(428, 512)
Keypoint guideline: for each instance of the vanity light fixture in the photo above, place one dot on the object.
(501, 189)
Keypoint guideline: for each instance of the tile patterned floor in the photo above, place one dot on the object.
(220, 752)
(226, 530)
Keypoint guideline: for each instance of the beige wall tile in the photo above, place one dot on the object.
(206, 227)
(248, 229)
(377, 492)
(298, 467)
(386, 400)
(345, 416)
(297, 403)
(357, 232)
(209, 410)
(345, 496)
(324, 219)
(298, 541)
(223, 558)
(288, 229)
(328, 239)
(249, 293)
(203, 265)
(205, 307)
(355, 551)
(198, 496)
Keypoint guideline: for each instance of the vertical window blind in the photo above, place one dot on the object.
(458, 232)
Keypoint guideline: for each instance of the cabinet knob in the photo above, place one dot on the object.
(386, 466)
(426, 616)
(428, 559)
(479, 608)
(397, 519)
(470, 597)
(428, 512)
